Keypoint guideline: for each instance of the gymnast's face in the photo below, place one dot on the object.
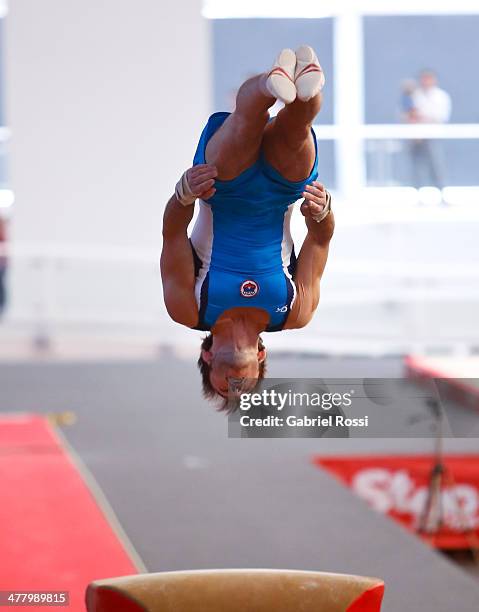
(238, 368)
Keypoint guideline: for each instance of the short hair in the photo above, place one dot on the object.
(209, 391)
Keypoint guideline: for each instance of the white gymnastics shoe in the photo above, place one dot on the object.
(308, 76)
(280, 81)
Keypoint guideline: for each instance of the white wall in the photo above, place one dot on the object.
(106, 99)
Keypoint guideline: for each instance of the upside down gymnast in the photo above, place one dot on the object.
(237, 275)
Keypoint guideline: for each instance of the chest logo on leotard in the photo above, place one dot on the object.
(249, 288)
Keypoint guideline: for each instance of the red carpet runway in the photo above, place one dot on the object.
(54, 535)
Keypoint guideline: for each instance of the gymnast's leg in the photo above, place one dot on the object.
(237, 143)
(288, 143)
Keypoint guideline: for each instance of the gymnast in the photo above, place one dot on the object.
(237, 275)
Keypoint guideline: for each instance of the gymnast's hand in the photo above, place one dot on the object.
(201, 180)
(315, 200)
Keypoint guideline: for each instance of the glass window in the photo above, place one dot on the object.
(432, 162)
(397, 48)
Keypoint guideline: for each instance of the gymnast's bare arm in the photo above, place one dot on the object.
(312, 257)
(177, 265)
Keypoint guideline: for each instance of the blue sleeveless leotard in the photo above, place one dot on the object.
(241, 241)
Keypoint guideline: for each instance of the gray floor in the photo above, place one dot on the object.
(189, 497)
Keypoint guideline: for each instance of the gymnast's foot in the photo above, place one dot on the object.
(308, 76)
(280, 81)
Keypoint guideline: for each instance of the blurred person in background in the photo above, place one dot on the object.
(407, 107)
(3, 263)
(427, 103)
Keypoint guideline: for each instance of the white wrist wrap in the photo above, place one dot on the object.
(326, 210)
(183, 192)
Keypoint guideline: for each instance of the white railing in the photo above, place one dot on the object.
(354, 140)
(401, 131)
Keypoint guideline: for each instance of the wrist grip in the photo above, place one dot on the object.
(183, 192)
(326, 210)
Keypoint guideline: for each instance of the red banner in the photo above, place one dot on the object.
(399, 486)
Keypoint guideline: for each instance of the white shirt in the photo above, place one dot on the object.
(433, 105)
